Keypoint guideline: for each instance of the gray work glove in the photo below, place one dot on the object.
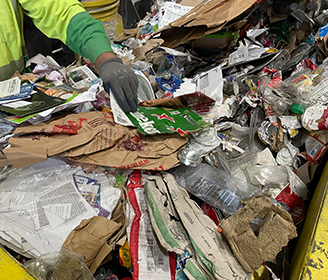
(122, 81)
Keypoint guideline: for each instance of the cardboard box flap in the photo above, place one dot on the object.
(213, 13)
(206, 18)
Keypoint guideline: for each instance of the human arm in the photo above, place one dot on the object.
(67, 21)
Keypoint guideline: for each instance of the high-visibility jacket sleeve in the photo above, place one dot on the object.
(67, 21)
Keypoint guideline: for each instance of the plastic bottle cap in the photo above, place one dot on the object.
(309, 6)
(293, 6)
(298, 108)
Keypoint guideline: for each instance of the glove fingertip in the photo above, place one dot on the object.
(126, 108)
(134, 106)
(107, 87)
(121, 99)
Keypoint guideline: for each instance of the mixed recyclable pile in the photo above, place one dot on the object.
(208, 179)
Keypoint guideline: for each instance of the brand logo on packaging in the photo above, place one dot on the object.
(180, 131)
(72, 127)
(164, 116)
(145, 124)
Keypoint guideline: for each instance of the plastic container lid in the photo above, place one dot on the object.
(298, 108)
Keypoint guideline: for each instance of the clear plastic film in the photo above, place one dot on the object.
(62, 265)
(214, 186)
(274, 179)
(41, 204)
(200, 144)
(18, 190)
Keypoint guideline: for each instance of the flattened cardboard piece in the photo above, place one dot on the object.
(192, 3)
(93, 138)
(298, 36)
(313, 168)
(215, 42)
(277, 140)
(321, 47)
(206, 18)
(274, 232)
(126, 34)
(274, 17)
(141, 52)
(187, 100)
(303, 173)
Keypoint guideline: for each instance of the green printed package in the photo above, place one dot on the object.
(152, 120)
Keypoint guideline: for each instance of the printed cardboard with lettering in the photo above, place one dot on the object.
(93, 137)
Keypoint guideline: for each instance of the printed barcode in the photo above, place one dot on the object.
(149, 253)
(224, 195)
(151, 242)
(12, 86)
(150, 248)
(204, 186)
(228, 198)
(160, 260)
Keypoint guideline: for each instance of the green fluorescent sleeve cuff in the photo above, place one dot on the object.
(97, 46)
(87, 37)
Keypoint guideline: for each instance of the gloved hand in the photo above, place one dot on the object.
(122, 81)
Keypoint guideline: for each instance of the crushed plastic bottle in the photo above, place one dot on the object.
(216, 187)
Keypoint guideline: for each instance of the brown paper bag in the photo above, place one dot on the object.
(92, 137)
(95, 238)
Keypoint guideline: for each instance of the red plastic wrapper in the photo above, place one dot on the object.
(292, 204)
(149, 261)
(212, 212)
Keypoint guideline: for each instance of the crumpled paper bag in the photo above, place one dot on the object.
(95, 138)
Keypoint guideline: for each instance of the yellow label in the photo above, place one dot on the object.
(125, 255)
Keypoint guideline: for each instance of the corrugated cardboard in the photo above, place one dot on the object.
(151, 44)
(213, 43)
(321, 47)
(206, 18)
(274, 232)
